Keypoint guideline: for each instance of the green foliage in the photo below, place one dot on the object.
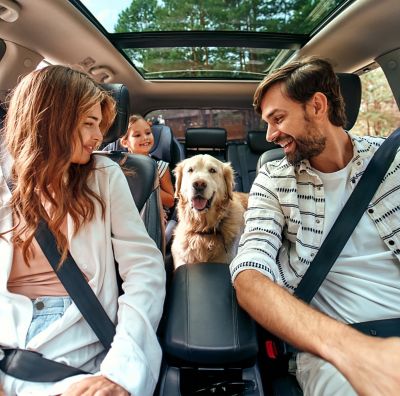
(138, 17)
(289, 16)
(379, 115)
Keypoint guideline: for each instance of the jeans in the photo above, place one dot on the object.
(46, 310)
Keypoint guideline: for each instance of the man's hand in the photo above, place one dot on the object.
(370, 364)
(374, 369)
(2, 391)
(95, 386)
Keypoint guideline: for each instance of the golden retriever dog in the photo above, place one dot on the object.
(210, 214)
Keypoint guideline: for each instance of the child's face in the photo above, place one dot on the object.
(140, 139)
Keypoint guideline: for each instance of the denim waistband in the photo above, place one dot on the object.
(46, 310)
(49, 304)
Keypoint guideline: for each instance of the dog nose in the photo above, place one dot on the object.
(199, 185)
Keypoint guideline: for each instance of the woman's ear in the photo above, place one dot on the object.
(229, 179)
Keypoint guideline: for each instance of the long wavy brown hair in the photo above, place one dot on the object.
(41, 128)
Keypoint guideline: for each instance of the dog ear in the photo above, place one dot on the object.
(178, 178)
(229, 179)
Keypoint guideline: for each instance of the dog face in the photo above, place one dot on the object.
(202, 180)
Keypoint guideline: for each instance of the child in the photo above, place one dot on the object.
(84, 199)
(139, 139)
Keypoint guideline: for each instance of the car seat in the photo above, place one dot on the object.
(210, 141)
(243, 157)
(285, 384)
(140, 171)
(166, 147)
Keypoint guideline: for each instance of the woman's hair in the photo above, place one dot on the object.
(41, 129)
(301, 79)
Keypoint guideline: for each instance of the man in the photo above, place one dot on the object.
(292, 206)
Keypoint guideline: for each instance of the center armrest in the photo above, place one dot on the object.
(205, 325)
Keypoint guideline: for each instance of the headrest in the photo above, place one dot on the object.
(162, 142)
(115, 146)
(121, 95)
(214, 138)
(350, 86)
(257, 142)
(270, 155)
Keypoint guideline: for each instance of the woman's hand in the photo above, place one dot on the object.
(95, 386)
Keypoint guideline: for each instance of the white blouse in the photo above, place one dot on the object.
(135, 355)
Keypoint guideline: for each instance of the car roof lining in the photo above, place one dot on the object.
(356, 27)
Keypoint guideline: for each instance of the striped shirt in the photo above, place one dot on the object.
(162, 167)
(285, 216)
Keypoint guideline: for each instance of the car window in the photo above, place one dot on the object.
(379, 114)
(237, 122)
(177, 40)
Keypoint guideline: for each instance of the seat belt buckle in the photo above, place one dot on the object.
(271, 349)
(276, 349)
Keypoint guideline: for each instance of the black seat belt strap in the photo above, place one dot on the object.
(379, 328)
(77, 287)
(348, 218)
(32, 366)
(341, 231)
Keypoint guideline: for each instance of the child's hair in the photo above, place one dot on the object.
(41, 126)
(132, 119)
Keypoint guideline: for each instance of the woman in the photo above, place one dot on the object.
(56, 118)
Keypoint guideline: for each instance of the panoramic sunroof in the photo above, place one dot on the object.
(204, 62)
(222, 39)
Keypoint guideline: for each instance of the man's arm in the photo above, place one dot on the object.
(370, 364)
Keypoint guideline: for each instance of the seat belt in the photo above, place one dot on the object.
(339, 234)
(76, 285)
(32, 366)
(344, 226)
(348, 218)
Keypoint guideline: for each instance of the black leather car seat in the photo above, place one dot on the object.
(210, 141)
(166, 147)
(141, 171)
(244, 156)
(350, 86)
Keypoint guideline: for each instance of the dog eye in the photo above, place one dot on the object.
(212, 170)
(190, 170)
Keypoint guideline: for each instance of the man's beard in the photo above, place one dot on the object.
(308, 146)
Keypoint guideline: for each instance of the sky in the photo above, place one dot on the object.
(106, 11)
